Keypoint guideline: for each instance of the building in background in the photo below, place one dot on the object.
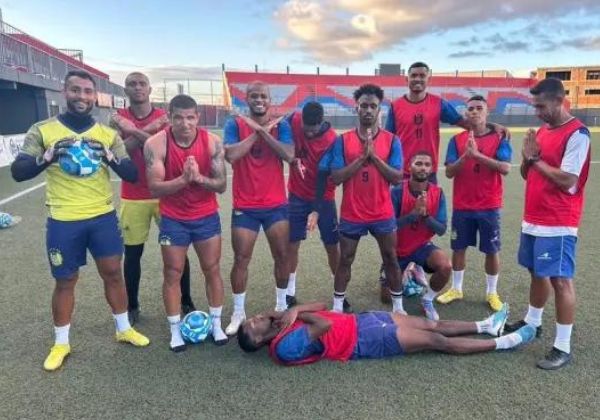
(581, 83)
(31, 81)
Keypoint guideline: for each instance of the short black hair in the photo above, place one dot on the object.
(81, 74)
(245, 342)
(477, 98)
(368, 89)
(418, 64)
(182, 102)
(312, 113)
(551, 87)
(421, 153)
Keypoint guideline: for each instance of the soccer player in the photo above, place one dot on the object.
(420, 208)
(186, 169)
(308, 333)
(256, 147)
(81, 214)
(312, 138)
(136, 124)
(366, 160)
(415, 118)
(476, 161)
(555, 167)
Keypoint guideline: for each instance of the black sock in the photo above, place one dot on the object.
(132, 272)
(186, 297)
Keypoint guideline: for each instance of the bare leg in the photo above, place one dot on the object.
(243, 241)
(333, 256)
(564, 295)
(387, 248)
(492, 264)
(344, 270)
(440, 264)
(459, 259)
(111, 272)
(209, 255)
(293, 252)
(278, 236)
(173, 263)
(413, 341)
(63, 300)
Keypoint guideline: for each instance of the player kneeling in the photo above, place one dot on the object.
(420, 207)
(307, 333)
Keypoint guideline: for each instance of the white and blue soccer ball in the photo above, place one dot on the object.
(6, 220)
(80, 160)
(196, 326)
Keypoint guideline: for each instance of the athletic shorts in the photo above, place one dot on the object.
(67, 242)
(135, 217)
(300, 209)
(466, 224)
(548, 256)
(175, 232)
(354, 230)
(419, 257)
(253, 219)
(376, 336)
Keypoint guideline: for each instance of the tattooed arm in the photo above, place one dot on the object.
(154, 155)
(217, 181)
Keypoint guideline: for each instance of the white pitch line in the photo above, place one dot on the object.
(21, 193)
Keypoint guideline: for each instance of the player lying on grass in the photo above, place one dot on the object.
(308, 333)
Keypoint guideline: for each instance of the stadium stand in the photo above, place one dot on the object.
(507, 96)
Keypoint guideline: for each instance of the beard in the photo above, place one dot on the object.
(73, 109)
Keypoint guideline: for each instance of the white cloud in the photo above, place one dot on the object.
(342, 31)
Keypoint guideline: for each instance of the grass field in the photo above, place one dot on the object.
(103, 379)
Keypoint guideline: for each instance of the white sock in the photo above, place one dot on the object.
(61, 334)
(217, 330)
(534, 316)
(563, 337)
(291, 289)
(457, 279)
(430, 294)
(492, 283)
(175, 324)
(281, 304)
(122, 322)
(397, 303)
(239, 300)
(508, 341)
(338, 301)
(485, 326)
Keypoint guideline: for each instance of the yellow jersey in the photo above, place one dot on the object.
(68, 197)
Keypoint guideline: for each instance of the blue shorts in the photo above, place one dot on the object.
(419, 257)
(253, 219)
(328, 225)
(548, 256)
(354, 230)
(376, 336)
(173, 232)
(67, 242)
(465, 225)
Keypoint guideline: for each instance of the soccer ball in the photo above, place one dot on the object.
(196, 326)
(80, 160)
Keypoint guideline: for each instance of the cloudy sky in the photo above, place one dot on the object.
(190, 39)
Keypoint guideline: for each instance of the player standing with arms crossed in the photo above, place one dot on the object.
(256, 146)
(136, 124)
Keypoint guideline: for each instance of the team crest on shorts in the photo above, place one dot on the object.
(454, 235)
(56, 258)
(164, 240)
